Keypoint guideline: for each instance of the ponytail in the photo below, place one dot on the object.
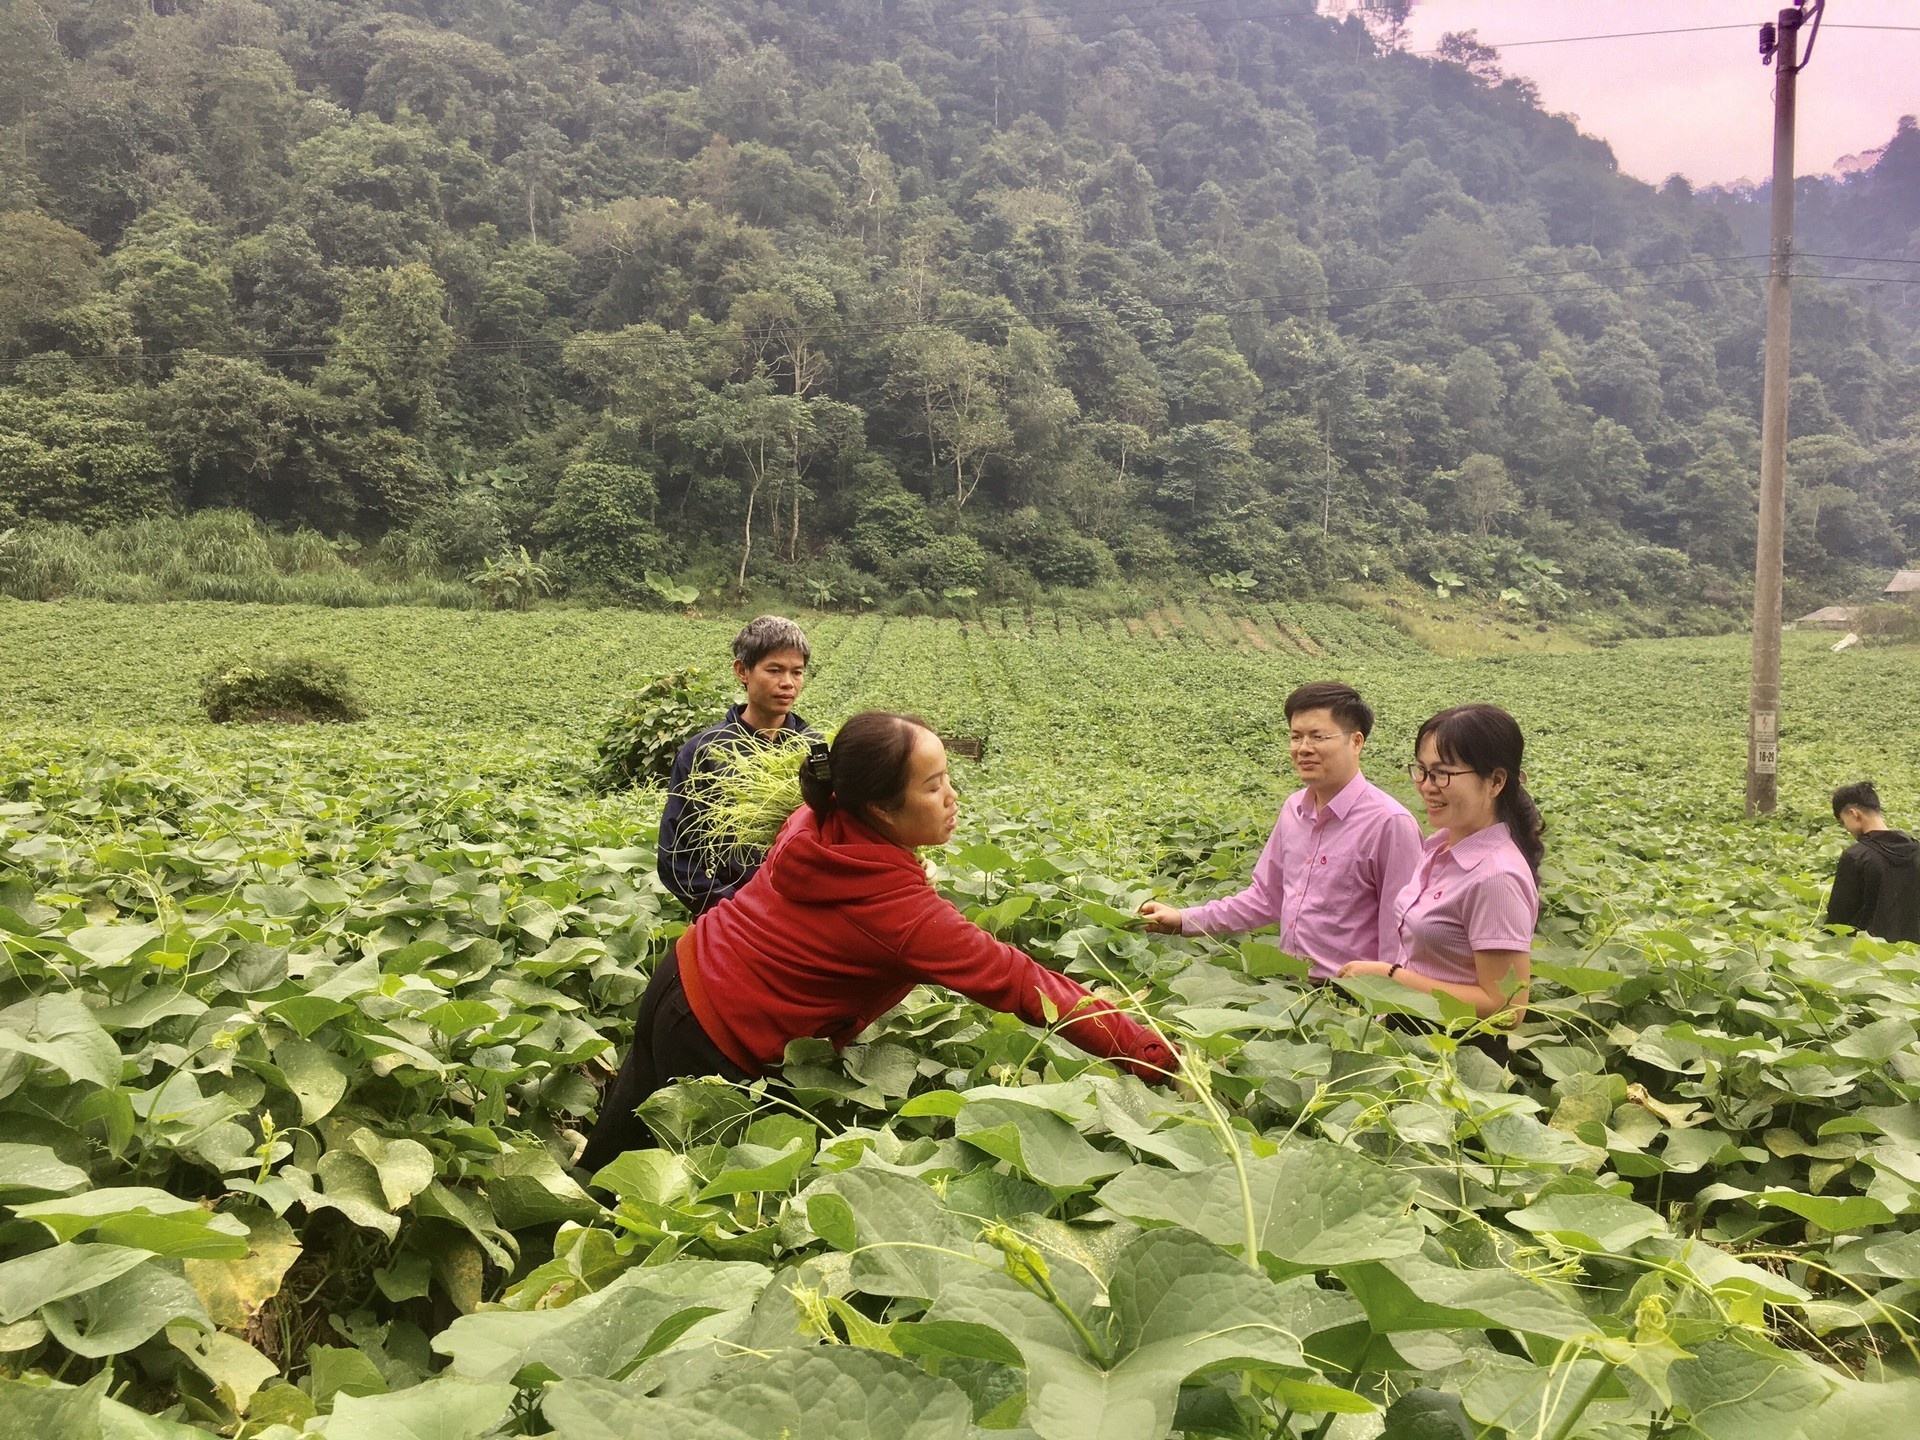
(1487, 740)
(816, 780)
(865, 766)
(1515, 806)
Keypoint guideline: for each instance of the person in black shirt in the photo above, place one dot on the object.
(770, 661)
(1877, 886)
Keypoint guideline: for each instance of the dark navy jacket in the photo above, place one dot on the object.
(682, 859)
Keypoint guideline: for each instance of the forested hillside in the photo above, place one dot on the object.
(896, 299)
(1864, 225)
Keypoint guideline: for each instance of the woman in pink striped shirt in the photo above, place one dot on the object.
(1466, 918)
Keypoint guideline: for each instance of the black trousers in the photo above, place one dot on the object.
(668, 1044)
(1494, 1047)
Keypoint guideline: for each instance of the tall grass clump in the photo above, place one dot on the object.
(45, 562)
(218, 555)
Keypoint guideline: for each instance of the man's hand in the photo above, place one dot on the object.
(1162, 919)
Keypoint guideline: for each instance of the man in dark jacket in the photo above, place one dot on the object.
(770, 661)
(1877, 887)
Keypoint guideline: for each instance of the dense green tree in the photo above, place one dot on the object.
(241, 436)
(44, 268)
(1201, 290)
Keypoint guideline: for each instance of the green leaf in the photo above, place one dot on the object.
(307, 1013)
(659, 1177)
(1315, 1205)
(753, 1169)
(909, 1243)
(123, 1422)
(60, 1032)
(833, 1392)
(1179, 1306)
(112, 944)
(1511, 1396)
(334, 1370)
(1389, 997)
(1312, 1399)
(604, 1333)
(29, 1281)
(1423, 1414)
(528, 1187)
(36, 1170)
(442, 1409)
(126, 1310)
(40, 1412)
(1598, 1221)
(1878, 1042)
(404, 1166)
(1741, 1388)
(1037, 1143)
(1864, 1410)
(831, 1218)
(145, 1218)
(317, 1077)
(961, 1339)
(1830, 1212)
(1414, 1293)
(235, 1367)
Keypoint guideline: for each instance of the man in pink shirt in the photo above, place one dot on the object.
(1340, 854)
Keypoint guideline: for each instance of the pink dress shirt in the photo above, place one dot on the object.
(1477, 895)
(1327, 877)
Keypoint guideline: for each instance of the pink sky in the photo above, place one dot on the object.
(1699, 104)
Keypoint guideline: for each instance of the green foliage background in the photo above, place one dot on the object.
(846, 301)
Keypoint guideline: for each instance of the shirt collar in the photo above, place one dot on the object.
(1468, 853)
(1348, 797)
(736, 711)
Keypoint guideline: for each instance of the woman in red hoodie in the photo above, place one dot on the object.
(833, 930)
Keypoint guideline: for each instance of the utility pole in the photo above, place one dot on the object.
(1779, 45)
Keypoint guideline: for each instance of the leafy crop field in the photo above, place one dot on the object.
(300, 1027)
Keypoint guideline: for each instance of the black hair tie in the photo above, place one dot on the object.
(819, 763)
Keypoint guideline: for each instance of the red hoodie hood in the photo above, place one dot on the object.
(838, 861)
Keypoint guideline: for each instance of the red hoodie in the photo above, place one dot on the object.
(834, 930)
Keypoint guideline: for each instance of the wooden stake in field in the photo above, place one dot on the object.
(1781, 46)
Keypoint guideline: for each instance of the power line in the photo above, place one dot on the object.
(1857, 259)
(1576, 39)
(1642, 34)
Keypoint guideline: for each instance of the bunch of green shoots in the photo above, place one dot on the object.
(742, 795)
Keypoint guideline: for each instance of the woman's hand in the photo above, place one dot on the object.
(1354, 968)
(1162, 919)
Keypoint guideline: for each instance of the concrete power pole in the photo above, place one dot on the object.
(1782, 47)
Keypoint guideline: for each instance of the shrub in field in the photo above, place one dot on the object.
(639, 745)
(946, 563)
(889, 522)
(601, 525)
(1890, 623)
(513, 581)
(293, 688)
